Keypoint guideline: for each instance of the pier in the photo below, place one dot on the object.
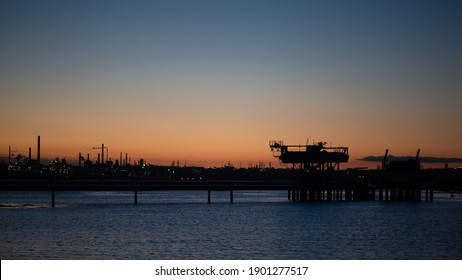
(366, 185)
(318, 177)
(137, 186)
(312, 174)
(324, 186)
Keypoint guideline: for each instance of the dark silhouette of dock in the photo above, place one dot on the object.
(335, 185)
(318, 176)
(315, 176)
(135, 186)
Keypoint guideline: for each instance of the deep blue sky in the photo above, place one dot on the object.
(162, 78)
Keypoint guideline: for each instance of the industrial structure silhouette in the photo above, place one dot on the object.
(314, 174)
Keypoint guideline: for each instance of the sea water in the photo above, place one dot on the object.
(258, 225)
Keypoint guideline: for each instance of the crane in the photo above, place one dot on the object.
(385, 159)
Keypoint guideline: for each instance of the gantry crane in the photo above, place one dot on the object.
(310, 157)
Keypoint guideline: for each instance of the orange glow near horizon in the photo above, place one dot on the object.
(190, 152)
(213, 84)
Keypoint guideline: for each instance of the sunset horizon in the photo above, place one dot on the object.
(212, 82)
(243, 139)
(267, 159)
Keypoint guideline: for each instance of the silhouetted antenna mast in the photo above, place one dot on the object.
(38, 150)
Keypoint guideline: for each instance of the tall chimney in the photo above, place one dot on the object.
(126, 158)
(80, 159)
(9, 154)
(38, 150)
(120, 160)
(102, 153)
(30, 153)
(98, 158)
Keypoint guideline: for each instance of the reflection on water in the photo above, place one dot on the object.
(259, 225)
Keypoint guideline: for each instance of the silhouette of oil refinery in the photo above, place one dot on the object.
(312, 173)
(103, 167)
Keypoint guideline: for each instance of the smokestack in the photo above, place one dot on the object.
(80, 159)
(99, 158)
(9, 154)
(38, 150)
(120, 160)
(30, 153)
(126, 158)
(102, 153)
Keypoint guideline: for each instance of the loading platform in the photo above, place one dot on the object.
(310, 157)
(318, 177)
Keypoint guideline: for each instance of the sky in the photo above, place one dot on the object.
(211, 82)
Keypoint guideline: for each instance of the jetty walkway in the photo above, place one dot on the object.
(136, 186)
(348, 185)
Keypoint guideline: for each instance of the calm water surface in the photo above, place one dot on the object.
(259, 225)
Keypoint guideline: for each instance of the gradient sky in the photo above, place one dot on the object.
(213, 81)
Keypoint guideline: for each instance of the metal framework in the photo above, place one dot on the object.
(310, 157)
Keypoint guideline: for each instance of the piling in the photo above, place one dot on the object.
(209, 196)
(329, 195)
(231, 199)
(347, 194)
(136, 197)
